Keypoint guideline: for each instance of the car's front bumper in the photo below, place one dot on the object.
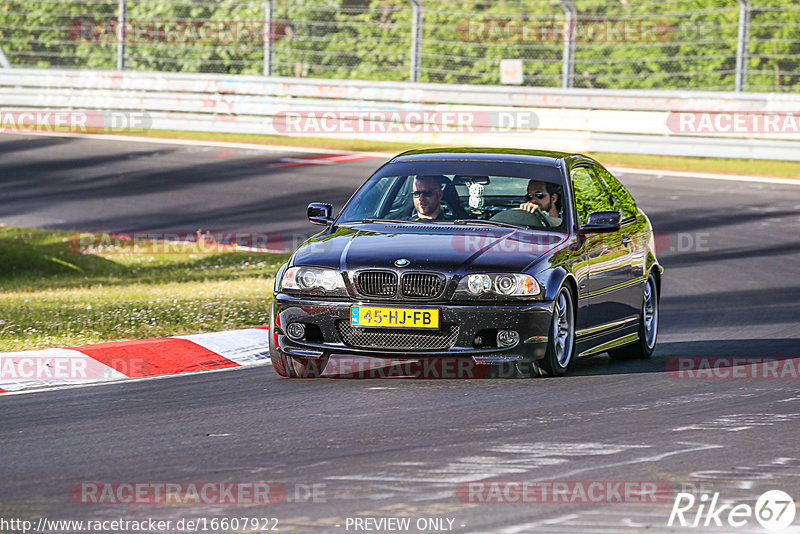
(531, 320)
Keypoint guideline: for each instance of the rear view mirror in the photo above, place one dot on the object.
(602, 221)
(320, 213)
(467, 180)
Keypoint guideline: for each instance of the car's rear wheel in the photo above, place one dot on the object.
(648, 327)
(292, 366)
(561, 342)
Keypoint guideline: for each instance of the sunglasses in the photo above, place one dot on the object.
(537, 194)
(424, 193)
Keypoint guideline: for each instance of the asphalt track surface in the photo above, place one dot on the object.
(395, 447)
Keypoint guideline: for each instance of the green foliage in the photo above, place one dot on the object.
(51, 295)
(37, 33)
(644, 44)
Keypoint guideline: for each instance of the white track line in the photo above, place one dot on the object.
(387, 155)
(197, 142)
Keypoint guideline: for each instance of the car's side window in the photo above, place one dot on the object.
(589, 195)
(621, 198)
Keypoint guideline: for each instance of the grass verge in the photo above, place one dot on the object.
(741, 167)
(751, 167)
(53, 296)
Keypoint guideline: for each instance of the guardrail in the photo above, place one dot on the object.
(737, 125)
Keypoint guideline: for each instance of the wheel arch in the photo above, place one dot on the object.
(656, 271)
(569, 281)
(558, 278)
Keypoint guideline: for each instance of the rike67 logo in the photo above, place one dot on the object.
(774, 510)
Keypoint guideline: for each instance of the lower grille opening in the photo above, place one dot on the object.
(314, 334)
(397, 339)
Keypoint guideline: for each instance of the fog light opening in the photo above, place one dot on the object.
(296, 330)
(507, 338)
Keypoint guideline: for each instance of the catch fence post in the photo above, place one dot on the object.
(741, 45)
(121, 37)
(416, 39)
(568, 62)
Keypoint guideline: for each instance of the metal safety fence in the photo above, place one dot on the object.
(709, 124)
(712, 45)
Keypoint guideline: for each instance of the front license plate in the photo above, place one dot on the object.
(394, 317)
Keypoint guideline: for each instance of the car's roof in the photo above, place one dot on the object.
(541, 157)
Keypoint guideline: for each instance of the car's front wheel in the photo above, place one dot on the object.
(292, 366)
(648, 327)
(561, 342)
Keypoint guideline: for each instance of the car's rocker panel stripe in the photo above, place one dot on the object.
(614, 343)
(603, 328)
(616, 287)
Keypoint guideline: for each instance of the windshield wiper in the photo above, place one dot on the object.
(457, 221)
(365, 221)
(418, 221)
(488, 222)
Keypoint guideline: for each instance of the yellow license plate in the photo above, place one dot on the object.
(394, 317)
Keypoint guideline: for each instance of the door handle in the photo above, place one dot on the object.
(626, 239)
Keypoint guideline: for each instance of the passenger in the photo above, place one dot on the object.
(542, 197)
(428, 199)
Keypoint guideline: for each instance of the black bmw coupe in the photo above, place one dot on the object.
(522, 258)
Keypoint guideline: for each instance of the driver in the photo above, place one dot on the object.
(542, 197)
(427, 195)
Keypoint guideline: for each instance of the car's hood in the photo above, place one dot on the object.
(446, 249)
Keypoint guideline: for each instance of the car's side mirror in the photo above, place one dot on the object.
(320, 213)
(602, 221)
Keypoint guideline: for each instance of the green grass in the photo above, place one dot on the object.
(52, 296)
(754, 167)
(745, 167)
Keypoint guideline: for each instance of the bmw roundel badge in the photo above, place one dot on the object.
(402, 262)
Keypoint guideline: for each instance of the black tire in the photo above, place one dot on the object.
(561, 342)
(292, 366)
(648, 327)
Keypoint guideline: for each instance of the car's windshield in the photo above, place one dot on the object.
(499, 193)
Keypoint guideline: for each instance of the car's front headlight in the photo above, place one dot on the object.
(314, 281)
(497, 286)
